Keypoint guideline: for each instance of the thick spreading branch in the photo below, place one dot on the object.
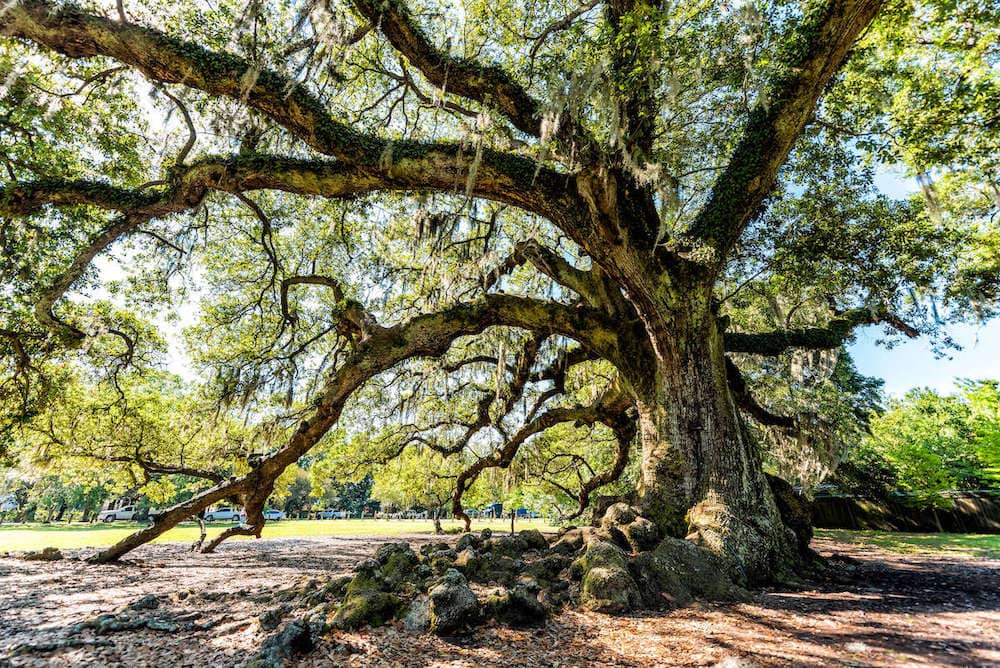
(243, 173)
(609, 410)
(489, 85)
(588, 284)
(235, 175)
(833, 335)
(166, 59)
(429, 335)
(811, 55)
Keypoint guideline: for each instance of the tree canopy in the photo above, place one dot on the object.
(602, 243)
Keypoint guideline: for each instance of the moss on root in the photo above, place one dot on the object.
(609, 589)
(606, 584)
(678, 571)
(620, 566)
(517, 607)
(366, 608)
(599, 554)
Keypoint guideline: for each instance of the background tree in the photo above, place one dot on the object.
(416, 479)
(561, 215)
(356, 496)
(926, 443)
(143, 435)
(297, 498)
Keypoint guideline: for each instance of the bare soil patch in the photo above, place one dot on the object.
(876, 608)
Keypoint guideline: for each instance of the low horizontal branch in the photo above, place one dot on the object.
(164, 58)
(833, 335)
(747, 402)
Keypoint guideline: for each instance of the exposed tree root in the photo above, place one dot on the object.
(52, 646)
(237, 625)
(295, 638)
(198, 542)
(239, 530)
(119, 623)
(622, 565)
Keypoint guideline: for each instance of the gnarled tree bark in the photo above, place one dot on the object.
(645, 306)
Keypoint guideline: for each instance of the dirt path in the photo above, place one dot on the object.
(885, 609)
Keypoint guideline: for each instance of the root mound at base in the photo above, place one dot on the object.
(519, 580)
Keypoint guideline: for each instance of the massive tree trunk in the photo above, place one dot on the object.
(701, 472)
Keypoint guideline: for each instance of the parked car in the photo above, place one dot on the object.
(222, 514)
(271, 515)
(123, 513)
(331, 514)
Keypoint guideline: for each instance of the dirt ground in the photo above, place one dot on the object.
(884, 609)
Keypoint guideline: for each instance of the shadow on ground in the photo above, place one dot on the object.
(875, 608)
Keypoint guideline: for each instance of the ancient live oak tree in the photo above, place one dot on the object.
(454, 228)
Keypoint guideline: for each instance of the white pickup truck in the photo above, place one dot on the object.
(123, 513)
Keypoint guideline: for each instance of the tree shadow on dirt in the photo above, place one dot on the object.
(880, 609)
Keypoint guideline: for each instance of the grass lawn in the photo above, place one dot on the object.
(17, 537)
(973, 544)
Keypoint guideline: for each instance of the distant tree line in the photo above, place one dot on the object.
(927, 443)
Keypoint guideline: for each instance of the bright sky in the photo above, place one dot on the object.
(913, 363)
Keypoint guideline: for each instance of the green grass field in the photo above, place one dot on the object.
(18, 537)
(973, 544)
